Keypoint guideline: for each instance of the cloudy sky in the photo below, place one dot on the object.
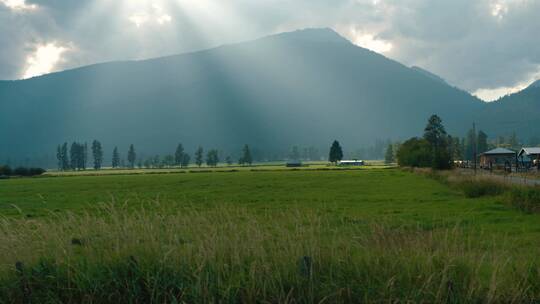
(487, 47)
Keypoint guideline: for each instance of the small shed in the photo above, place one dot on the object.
(497, 158)
(294, 164)
(351, 163)
(530, 156)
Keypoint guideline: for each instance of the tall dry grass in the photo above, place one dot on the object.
(168, 254)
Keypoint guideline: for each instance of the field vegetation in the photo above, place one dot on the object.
(303, 236)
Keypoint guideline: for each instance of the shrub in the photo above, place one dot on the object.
(23, 171)
(479, 188)
(525, 198)
(5, 171)
(415, 152)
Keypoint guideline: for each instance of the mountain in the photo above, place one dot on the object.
(535, 84)
(429, 74)
(518, 112)
(304, 88)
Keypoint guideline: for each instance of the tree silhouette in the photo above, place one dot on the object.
(336, 152)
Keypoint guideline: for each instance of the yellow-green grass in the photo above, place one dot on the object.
(276, 236)
(269, 166)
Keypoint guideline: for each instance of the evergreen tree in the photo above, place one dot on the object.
(436, 136)
(169, 160)
(199, 156)
(179, 155)
(65, 157)
(470, 144)
(185, 160)
(295, 154)
(74, 156)
(246, 158)
(482, 142)
(132, 156)
(59, 157)
(115, 158)
(513, 141)
(229, 161)
(97, 153)
(389, 155)
(212, 158)
(84, 155)
(336, 153)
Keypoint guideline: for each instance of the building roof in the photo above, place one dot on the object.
(499, 151)
(529, 151)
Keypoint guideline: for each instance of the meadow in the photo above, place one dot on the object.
(278, 236)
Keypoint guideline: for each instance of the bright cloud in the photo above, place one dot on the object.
(43, 60)
(499, 9)
(154, 13)
(139, 19)
(18, 5)
(369, 41)
(494, 94)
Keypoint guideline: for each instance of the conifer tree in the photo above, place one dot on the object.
(132, 156)
(65, 157)
(336, 152)
(97, 153)
(185, 160)
(59, 157)
(199, 156)
(179, 155)
(246, 158)
(115, 158)
(389, 155)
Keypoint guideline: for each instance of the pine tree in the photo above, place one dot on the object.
(212, 158)
(513, 141)
(97, 153)
(59, 157)
(470, 144)
(132, 156)
(336, 152)
(436, 136)
(179, 155)
(199, 156)
(65, 157)
(84, 155)
(389, 155)
(482, 142)
(229, 161)
(246, 156)
(185, 160)
(74, 156)
(115, 158)
(295, 154)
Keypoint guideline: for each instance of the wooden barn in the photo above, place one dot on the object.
(498, 158)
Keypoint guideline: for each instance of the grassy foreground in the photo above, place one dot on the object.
(287, 237)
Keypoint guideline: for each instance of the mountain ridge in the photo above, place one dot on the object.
(306, 87)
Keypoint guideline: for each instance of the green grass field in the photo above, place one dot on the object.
(364, 235)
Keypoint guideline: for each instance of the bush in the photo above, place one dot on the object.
(5, 171)
(23, 171)
(415, 152)
(479, 188)
(526, 199)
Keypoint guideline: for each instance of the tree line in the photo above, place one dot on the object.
(76, 157)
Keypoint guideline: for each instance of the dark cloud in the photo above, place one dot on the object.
(473, 44)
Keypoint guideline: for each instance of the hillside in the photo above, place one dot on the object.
(302, 88)
(519, 112)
